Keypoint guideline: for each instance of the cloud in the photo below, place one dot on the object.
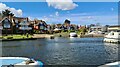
(86, 20)
(16, 12)
(51, 15)
(44, 18)
(79, 14)
(56, 13)
(31, 18)
(112, 9)
(62, 4)
(89, 17)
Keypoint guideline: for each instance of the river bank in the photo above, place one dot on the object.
(43, 36)
(40, 36)
(16, 37)
(25, 37)
(66, 34)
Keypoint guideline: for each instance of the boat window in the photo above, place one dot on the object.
(112, 33)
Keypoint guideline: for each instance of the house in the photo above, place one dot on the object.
(22, 25)
(14, 25)
(31, 24)
(96, 28)
(74, 27)
(6, 26)
(40, 25)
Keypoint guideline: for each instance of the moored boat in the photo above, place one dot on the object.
(112, 37)
(73, 34)
(16, 61)
(114, 64)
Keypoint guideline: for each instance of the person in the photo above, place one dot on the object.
(29, 61)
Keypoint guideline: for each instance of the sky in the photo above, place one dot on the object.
(81, 13)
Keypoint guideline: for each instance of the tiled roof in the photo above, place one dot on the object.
(3, 19)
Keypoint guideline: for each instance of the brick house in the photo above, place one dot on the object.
(40, 25)
(6, 26)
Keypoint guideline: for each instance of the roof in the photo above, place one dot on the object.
(31, 22)
(96, 27)
(20, 17)
(24, 23)
(3, 19)
(40, 21)
(114, 26)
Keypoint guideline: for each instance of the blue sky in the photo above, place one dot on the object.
(82, 13)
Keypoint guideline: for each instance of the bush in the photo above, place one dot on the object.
(9, 37)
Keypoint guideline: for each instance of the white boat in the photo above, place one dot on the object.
(73, 34)
(114, 64)
(112, 37)
(95, 32)
(16, 61)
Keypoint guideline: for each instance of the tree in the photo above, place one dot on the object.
(67, 21)
(11, 14)
(7, 13)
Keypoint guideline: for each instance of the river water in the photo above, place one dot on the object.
(64, 51)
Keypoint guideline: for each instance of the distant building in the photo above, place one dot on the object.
(114, 28)
(96, 28)
(105, 28)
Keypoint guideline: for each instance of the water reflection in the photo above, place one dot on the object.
(112, 51)
(66, 51)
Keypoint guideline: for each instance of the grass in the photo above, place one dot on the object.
(16, 37)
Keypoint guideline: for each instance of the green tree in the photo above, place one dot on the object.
(66, 22)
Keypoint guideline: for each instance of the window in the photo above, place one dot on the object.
(112, 33)
(16, 21)
(6, 23)
(41, 27)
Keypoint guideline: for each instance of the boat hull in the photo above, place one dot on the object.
(112, 37)
(19, 61)
(73, 35)
(114, 64)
